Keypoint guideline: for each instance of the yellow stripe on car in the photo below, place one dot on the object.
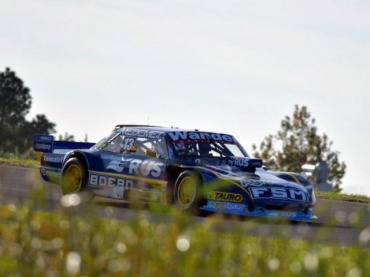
(294, 178)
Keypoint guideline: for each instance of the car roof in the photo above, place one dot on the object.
(160, 129)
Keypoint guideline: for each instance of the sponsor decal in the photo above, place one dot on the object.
(179, 145)
(239, 161)
(278, 193)
(146, 168)
(251, 182)
(107, 181)
(53, 158)
(225, 196)
(226, 206)
(42, 147)
(245, 162)
(52, 173)
(128, 143)
(45, 138)
(141, 133)
(282, 213)
(175, 136)
(43, 143)
(115, 166)
(118, 185)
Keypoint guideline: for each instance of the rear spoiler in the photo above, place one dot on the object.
(47, 144)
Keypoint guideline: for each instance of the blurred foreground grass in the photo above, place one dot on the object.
(66, 243)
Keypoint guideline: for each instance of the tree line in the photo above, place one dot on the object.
(16, 133)
(297, 143)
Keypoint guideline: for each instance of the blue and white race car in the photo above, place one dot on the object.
(191, 169)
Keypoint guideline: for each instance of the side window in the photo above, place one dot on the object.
(161, 147)
(115, 144)
(104, 143)
(151, 147)
(142, 146)
(129, 145)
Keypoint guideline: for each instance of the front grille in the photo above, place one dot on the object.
(291, 208)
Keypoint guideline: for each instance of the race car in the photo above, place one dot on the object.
(192, 169)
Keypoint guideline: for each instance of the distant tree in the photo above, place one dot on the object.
(66, 137)
(15, 102)
(15, 98)
(41, 125)
(298, 143)
(16, 133)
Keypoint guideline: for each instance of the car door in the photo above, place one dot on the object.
(108, 182)
(133, 167)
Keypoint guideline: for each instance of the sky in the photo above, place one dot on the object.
(235, 67)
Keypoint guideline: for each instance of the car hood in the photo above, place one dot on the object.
(257, 178)
(261, 184)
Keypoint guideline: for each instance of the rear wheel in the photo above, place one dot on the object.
(187, 192)
(74, 177)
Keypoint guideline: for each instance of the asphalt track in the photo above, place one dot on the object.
(340, 222)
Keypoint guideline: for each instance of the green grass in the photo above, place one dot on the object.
(64, 244)
(343, 196)
(19, 162)
(67, 243)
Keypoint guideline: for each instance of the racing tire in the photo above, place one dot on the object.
(188, 192)
(74, 177)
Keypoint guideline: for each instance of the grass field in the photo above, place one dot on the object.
(19, 162)
(65, 244)
(343, 196)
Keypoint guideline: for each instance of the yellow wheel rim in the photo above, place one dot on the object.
(186, 192)
(73, 178)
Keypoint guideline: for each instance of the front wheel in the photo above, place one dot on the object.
(187, 193)
(74, 177)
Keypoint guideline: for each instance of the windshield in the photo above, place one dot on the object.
(102, 144)
(208, 147)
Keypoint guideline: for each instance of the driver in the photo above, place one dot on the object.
(205, 149)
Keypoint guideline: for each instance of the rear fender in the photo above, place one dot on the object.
(52, 155)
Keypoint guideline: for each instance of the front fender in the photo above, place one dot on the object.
(300, 180)
(218, 188)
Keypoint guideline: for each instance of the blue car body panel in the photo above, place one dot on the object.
(231, 184)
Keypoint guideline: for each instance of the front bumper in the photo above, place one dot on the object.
(257, 211)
